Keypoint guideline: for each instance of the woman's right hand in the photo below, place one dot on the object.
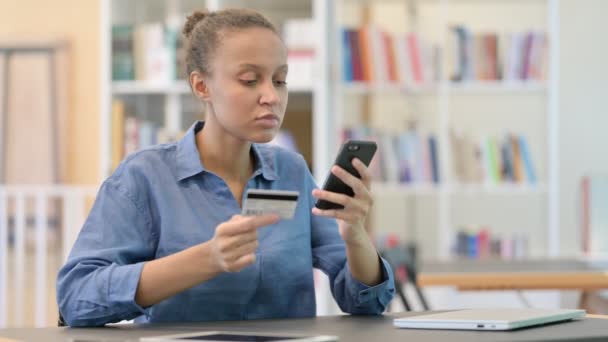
(235, 241)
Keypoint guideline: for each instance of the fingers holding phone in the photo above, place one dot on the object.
(353, 209)
(355, 172)
(361, 184)
(346, 194)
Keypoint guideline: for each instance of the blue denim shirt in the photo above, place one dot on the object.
(161, 200)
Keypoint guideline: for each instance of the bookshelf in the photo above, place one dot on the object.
(325, 104)
(161, 100)
(482, 106)
(426, 212)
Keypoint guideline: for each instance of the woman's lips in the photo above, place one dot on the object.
(268, 120)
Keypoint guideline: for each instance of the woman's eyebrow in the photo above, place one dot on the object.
(257, 67)
(250, 66)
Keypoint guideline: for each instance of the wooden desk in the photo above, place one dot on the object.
(516, 275)
(559, 274)
(347, 328)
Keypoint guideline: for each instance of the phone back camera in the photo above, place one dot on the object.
(353, 147)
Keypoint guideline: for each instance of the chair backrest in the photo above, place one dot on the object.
(60, 321)
(403, 261)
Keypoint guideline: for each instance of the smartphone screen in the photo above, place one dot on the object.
(363, 150)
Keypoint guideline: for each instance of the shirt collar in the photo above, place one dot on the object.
(189, 163)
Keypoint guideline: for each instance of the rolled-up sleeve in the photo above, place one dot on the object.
(329, 255)
(97, 284)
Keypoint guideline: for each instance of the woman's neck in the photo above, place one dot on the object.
(223, 154)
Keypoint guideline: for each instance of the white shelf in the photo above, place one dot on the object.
(484, 87)
(141, 87)
(475, 87)
(387, 88)
(498, 189)
(176, 87)
(181, 87)
(451, 2)
(383, 188)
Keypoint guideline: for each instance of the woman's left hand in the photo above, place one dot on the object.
(351, 219)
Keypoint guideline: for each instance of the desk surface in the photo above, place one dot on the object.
(348, 328)
(529, 274)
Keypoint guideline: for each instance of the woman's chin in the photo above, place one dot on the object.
(264, 137)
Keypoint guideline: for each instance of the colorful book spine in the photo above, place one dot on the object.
(527, 160)
(347, 65)
(434, 154)
(123, 64)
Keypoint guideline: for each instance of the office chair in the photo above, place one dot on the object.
(402, 261)
(60, 321)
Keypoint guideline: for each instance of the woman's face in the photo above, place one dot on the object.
(247, 93)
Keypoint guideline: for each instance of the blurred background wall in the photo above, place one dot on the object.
(78, 23)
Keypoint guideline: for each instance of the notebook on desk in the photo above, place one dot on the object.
(487, 319)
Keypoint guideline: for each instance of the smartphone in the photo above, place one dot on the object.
(360, 149)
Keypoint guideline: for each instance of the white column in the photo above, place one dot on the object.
(445, 230)
(105, 80)
(324, 139)
(553, 214)
(173, 115)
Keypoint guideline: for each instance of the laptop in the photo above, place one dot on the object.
(487, 319)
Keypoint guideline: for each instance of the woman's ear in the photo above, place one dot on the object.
(199, 85)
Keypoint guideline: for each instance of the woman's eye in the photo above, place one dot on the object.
(280, 83)
(249, 82)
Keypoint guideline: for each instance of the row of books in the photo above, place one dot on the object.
(373, 55)
(492, 160)
(516, 56)
(474, 242)
(154, 52)
(409, 157)
(130, 133)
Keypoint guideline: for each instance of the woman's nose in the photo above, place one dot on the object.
(270, 94)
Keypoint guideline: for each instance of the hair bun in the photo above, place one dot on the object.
(192, 20)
